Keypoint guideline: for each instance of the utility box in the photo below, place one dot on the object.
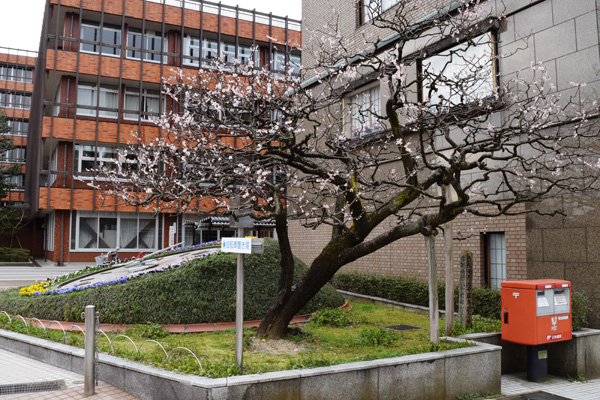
(536, 312)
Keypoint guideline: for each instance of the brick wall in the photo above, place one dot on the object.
(407, 257)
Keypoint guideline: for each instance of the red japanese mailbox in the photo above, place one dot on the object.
(536, 311)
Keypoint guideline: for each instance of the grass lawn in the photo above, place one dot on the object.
(359, 337)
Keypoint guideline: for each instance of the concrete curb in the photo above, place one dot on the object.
(17, 264)
(172, 328)
(440, 374)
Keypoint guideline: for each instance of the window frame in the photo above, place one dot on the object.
(447, 51)
(93, 110)
(16, 101)
(99, 157)
(98, 48)
(363, 6)
(142, 115)
(16, 73)
(118, 216)
(278, 64)
(151, 55)
(493, 281)
(348, 118)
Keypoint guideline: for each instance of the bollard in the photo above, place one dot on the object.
(89, 361)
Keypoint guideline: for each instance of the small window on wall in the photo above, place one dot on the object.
(495, 245)
(460, 75)
(361, 110)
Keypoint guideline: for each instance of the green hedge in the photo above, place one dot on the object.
(203, 290)
(486, 302)
(14, 255)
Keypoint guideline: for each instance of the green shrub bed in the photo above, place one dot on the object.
(486, 302)
(200, 291)
(14, 255)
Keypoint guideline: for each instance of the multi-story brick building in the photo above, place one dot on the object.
(16, 87)
(561, 35)
(99, 76)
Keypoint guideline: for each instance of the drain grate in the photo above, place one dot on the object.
(403, 327)
(32, 387)
(537, 396)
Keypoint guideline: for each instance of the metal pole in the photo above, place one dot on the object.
(89, 368)
(239, 309)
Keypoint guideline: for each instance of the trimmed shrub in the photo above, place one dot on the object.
(8, 254)
(580, 310)
(202, 290)
(486, 302)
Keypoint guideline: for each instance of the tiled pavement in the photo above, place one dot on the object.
(16, 369)
(516, 384)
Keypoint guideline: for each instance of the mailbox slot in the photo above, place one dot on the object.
(561, 301)
(545, 302)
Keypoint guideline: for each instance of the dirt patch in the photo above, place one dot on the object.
(276, 346)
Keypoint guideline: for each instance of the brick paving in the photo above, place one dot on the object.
(517, 384)
(16, 369)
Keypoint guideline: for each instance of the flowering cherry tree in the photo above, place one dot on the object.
(449, 138)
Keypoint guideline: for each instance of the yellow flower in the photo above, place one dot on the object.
(40, 287)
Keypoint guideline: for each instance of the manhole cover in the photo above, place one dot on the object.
(537, 396)
(403, 327)
(31, 387)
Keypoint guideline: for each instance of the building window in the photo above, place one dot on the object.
(278, 62)
(50, 232)
(16, 181)
(194, 50)
(362, 109)
(369, 9)
(90, 39)
(462, 74)
(153, 45)
(14, 156)
(102, 231)
(88, 158)
(17, 128)
(16, 73)
(20, 101)
(496, 258)
(150, 104)
(87, 101)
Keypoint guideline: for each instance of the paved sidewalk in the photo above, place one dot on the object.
(19, 373)
(517, 384)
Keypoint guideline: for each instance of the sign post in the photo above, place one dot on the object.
(241, 246)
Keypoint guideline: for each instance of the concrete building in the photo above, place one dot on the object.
(16, 86)
(563, 35)
(98, 79)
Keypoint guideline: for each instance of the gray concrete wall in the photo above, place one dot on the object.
(434, 376)
(578, 357)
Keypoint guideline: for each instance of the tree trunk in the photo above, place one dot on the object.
(275, 323)
(286, 275)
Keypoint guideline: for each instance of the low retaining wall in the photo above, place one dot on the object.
(578, 357)
(430, 376)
